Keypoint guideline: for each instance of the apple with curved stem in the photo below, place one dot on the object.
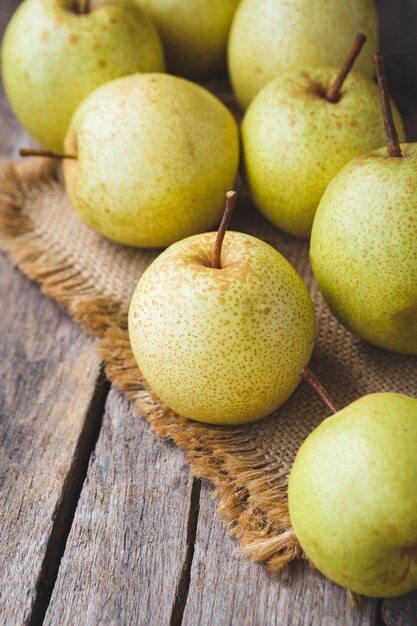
(219, 325)
(56, 52)
(272, 37)
(154, 155)
(300, 131)
(364, 241)
(194, 34)
(352, 494)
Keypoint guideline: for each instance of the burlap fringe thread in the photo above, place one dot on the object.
(252, 502)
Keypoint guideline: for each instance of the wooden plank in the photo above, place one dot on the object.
(48, 374)
(128, 551)
(400, 611)
(226, 589)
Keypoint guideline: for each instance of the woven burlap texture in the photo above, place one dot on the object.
(94, 279)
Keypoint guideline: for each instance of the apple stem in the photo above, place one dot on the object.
(307, 375)
(393, 144)
(217, 250)
(83, 6)
(333, 92)
(26, 152)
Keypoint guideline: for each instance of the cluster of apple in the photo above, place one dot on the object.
(220, 324)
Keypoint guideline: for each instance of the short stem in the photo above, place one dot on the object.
(83, 6)
(333, 93)
(217, 250)
(307, 375)
(393, 144)
(26, 152)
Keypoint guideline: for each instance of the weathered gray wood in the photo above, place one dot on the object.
(127, 552)
(226, 589)
(400, 611)
(48, 374)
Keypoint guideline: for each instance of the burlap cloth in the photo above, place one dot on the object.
(94, 279)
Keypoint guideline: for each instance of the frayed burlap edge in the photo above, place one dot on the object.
(252, 499)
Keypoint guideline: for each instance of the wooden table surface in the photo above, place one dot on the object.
(101, 522)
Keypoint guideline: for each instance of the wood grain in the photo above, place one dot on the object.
(127, 554)
(400, 611)
(226, 589)
(48, 374)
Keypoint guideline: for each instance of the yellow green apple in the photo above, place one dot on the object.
(54, 55)
(194, 34)
(269, 37)
(155, 155)
(364, 245)
(221, 345)
(353, 496)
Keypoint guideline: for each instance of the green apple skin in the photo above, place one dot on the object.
(194, 34)
(269, 37)
(353, 496)
(52, 58)
(295, 141)
(364, 248)
(222, 346)
(156, 154)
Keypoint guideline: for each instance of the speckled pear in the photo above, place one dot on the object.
(155, 155)
(364, 241)
(353, 496)
(54, 56)
(364, 248)
(295, 141)
(269, 37)
(194, 34)
(222, 346)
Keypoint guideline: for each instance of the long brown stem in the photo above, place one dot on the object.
(26, 152)
(393, 144)
(217, 250)
(307, 375)
(333, 92)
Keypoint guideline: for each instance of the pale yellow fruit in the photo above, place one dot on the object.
(269, 37)
(364, 248)
(194, 33)
(156, 154)
(353, 495)
(295, 141)
(52, 58)
(222, 346)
